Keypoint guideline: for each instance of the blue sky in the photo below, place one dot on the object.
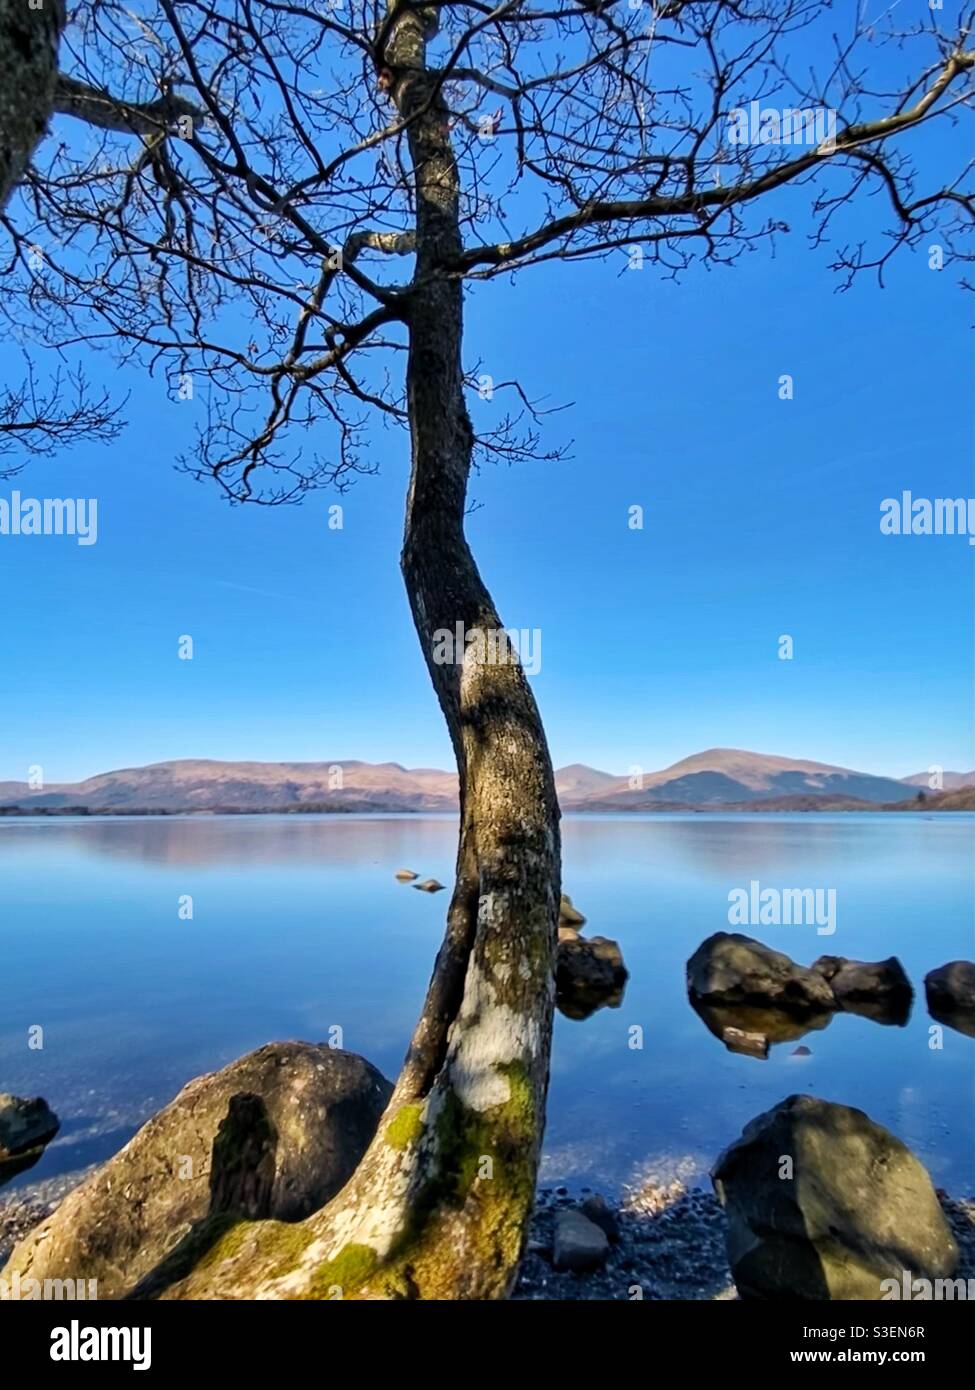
(761, 519)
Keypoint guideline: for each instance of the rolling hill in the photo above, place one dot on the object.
(719, 778)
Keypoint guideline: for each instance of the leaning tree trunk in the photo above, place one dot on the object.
(440, 1205)
(28, 72)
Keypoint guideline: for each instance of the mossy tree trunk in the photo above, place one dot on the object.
(440, 1205)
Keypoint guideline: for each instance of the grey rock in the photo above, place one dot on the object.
(950, 992)
(597, 1210)
(731, 970)
(579, 1244)
(857, 1209)
(589, 973)
(25, 1125)
(875, 989)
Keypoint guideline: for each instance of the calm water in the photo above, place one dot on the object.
(298, 926)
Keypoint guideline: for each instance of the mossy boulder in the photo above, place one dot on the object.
(822, 1203)
(273, 1135)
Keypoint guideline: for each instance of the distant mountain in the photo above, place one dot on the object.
(723, 776)
(950, 781)
(720, 778)
(206, 785)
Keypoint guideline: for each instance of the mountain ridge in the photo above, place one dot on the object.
(733, 778)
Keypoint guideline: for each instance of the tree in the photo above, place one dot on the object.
(236, 165)
(35, 421)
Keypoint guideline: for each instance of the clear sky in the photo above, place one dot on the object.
(761, 519)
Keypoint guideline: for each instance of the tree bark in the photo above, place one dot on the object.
(28, 74)
(440, 1205)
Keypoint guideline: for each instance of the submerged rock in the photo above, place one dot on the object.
(405, 875)
(822, 1203)
(579, 1244)
(950, 992)
(750, 1044)
(276, 1133)
(752, 1031)
(874, 989)
(429, 885)
(589, 975)
(732, 970)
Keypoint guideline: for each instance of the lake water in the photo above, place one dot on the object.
(298, 927)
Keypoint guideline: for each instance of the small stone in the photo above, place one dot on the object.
(579, 1244)
(597, 1210)
(802, 1051)
(429, 885)
(405, 875)
(569, 916)
(749, 1044)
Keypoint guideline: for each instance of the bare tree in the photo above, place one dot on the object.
(233, 202)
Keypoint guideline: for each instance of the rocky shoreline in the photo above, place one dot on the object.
(669, 1242)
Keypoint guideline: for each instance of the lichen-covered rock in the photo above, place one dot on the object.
(822, 1203)
(876, 989)
(275, 1134)
(730, 969)
(950, 992)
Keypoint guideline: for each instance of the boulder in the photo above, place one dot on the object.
(589, 974)
(733, 970)
(875, 989)
(274, 1134)
(579, 1244)
(822, 1203)
(950, 992)
(25, 1125)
